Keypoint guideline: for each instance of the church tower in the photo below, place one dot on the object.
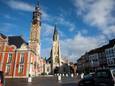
(55, 52)
(35, 31)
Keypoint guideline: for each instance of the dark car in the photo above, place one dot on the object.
(88, 80)
(105, 77)
(1, 78)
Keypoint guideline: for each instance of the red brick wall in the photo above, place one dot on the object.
(8, 49)
(18, 63)
(25, 62)
(5, 49)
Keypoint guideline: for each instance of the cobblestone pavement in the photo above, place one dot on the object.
(41, 81)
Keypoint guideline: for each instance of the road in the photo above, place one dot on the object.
(42, 81)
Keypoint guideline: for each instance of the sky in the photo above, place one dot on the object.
(82, 24)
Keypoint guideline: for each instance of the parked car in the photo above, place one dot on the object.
(2, 78)
(105, 77)
(88, 80)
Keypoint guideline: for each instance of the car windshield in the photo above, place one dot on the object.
(102, 74)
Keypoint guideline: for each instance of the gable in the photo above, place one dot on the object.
(23, 47)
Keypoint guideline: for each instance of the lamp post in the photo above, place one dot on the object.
(69, 70)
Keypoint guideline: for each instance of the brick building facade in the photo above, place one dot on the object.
(19, 58)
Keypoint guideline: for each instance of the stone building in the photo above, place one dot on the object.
(55, 52)
(102, 57)
(54, 62)
(110, 53)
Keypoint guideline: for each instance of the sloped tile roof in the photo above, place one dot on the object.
(16, 40)
(3, 36)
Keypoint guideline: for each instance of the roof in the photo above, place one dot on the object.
(111, 44)
(48, 60)
(97, 50)
(101, 49)
(3, 36)
(16, 40)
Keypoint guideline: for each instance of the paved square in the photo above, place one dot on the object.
(41, 81)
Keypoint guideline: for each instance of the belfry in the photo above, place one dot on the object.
(34, 43)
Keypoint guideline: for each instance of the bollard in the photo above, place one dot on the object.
(82, 75)
(66, 75)
(59, 78)
(29, 79)
(71, 75)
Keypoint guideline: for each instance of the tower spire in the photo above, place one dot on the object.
(55, 35)
(55, 29)
(38, 3)
(37, 7)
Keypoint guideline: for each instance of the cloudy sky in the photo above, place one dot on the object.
(82, 24)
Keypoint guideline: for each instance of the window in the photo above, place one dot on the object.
(9, 58)
(107, 61)
(7, 68)
(22, 58)
(111, 61)
(114, 60)
(21, 68)
(112, 50)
